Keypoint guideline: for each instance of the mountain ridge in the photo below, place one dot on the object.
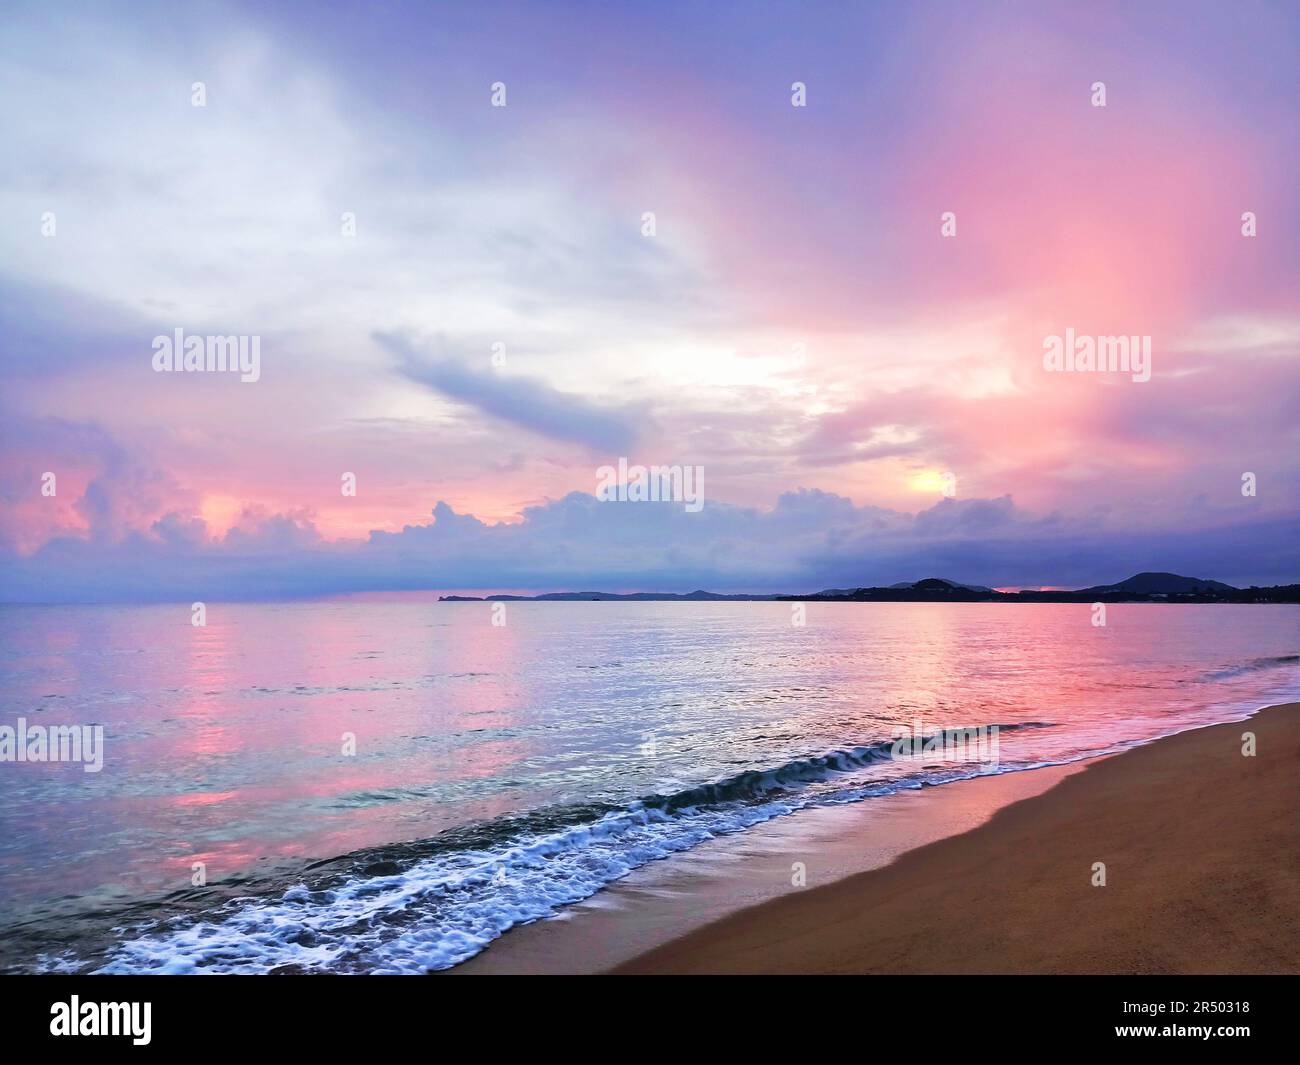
(1147, 586)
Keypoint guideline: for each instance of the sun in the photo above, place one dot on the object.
(931, 481)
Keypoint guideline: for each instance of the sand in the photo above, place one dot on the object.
(1201, 848)
(663, 901)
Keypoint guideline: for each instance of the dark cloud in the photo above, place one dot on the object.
(522, 401)
(808, 541)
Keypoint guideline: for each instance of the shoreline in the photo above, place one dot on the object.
(662, 901)
(1199, 845)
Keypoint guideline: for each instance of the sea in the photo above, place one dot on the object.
(388, 783)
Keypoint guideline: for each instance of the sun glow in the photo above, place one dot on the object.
(220, 513)
(932, 481)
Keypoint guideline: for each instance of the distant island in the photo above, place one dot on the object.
(1140, 588)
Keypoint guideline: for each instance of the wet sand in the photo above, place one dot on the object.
(1201, 848)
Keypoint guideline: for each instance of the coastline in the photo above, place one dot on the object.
(1199, 846)
(663, 901)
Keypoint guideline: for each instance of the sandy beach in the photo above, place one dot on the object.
(1201, 849)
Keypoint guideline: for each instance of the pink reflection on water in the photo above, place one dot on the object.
(224, 743)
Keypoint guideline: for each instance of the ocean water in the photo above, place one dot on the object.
(502, 772)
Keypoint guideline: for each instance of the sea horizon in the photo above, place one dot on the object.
(1142, 587)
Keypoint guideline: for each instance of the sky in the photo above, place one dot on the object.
(460, 304)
